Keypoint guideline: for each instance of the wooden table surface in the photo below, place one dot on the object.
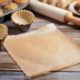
(9, 70)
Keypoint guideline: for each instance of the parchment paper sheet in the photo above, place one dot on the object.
(43, 50)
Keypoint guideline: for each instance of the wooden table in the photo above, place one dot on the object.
(9, 70)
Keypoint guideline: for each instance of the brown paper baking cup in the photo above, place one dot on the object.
(3, 35)
(22, 19)
(3, 31)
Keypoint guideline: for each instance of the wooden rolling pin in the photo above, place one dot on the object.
(53, 12)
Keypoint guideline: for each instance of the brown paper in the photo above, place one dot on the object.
(43, 50)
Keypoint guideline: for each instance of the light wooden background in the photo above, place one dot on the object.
(9, 70)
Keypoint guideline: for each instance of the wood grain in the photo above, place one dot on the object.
(47, 76)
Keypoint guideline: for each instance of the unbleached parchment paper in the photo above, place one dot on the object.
(43, 50)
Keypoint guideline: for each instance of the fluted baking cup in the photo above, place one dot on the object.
(22, 19)
(3, 35)
(3, 31)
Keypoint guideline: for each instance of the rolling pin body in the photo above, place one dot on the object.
(47, 10)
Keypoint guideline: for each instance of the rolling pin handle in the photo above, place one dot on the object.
(70, 18)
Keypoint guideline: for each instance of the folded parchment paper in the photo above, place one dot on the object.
(43, 50)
